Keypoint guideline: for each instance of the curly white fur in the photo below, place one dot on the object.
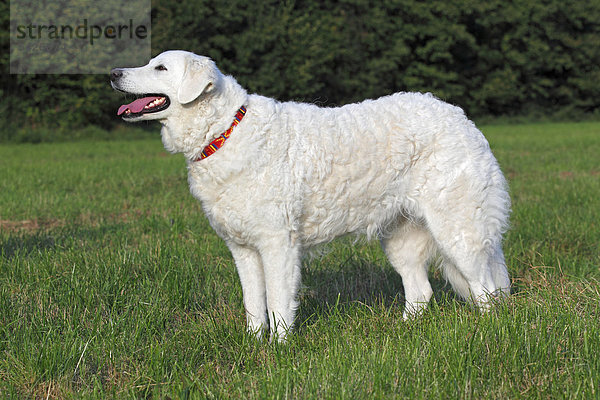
(407, 168)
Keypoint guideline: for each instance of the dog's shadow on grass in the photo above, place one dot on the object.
(357, 281)
(20, 245)
(23, 243)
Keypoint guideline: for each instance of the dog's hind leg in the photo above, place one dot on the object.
(409, 249)
(252, 278)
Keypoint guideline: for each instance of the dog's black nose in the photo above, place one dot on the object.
(115, 74)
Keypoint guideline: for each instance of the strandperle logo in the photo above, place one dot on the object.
(78, 37)
(82, 31)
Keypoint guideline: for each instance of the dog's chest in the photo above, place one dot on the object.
(224, 207)
(243, 208)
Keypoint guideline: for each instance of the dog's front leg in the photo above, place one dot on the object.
(252, 278)
(281, 260)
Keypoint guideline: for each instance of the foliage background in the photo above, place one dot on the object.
(530, 59)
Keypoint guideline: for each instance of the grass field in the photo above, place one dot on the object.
(112, 284)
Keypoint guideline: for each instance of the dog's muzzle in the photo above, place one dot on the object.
(116, 74)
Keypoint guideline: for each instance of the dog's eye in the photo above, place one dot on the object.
(160, 68)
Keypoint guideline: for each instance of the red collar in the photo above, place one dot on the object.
(220, 141)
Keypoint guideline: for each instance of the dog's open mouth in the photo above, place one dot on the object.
(149, 103)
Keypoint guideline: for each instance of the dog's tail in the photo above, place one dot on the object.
(499, 272)
(455, 278)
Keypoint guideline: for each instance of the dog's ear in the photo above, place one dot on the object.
(201, 75)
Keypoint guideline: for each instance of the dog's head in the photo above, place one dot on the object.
(169, 82)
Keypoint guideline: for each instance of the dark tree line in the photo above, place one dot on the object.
(494, 58)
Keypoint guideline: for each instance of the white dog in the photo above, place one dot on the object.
(275, 178)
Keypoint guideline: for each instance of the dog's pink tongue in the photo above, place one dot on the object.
(137, 105)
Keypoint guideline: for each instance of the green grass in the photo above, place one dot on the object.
(112, 284)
